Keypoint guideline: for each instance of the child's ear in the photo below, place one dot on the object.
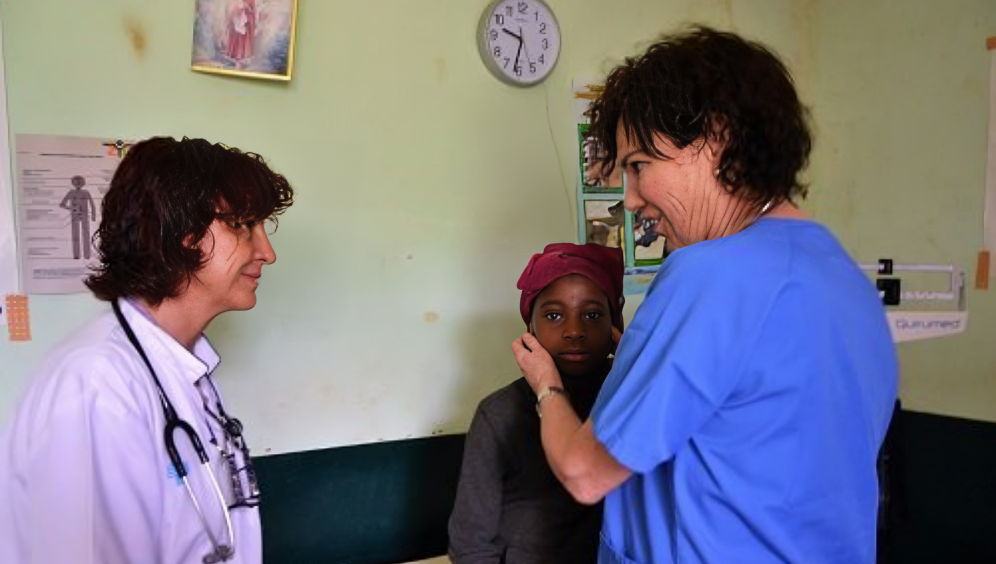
(531, 332)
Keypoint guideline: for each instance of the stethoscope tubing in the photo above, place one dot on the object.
(220, 552)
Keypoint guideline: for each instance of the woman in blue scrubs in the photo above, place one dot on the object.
(750, 394)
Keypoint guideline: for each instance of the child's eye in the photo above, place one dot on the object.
(593, 315)
(552, 316)
(637, 167)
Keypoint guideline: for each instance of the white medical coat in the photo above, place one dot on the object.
(84, 474)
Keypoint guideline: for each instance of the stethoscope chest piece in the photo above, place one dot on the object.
(233, 427)
(220, 553)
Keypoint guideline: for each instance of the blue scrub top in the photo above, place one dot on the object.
(750, 396)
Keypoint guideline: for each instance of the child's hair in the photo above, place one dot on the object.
(602, 265)
(163, 197)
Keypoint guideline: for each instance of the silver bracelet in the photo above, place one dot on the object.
(545, 393)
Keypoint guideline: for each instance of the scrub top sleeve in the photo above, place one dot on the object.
(95, 485)
(474, 523)
(676, 363)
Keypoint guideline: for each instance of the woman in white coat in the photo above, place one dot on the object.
(120, 449)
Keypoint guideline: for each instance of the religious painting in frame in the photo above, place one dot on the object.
(249, 38)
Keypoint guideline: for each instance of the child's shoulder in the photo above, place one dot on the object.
(514, 395)
(509, 404)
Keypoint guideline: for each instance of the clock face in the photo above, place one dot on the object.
(519, 41)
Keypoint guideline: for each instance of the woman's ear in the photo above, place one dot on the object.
(205, 243)
(718, 137)
(616, 336)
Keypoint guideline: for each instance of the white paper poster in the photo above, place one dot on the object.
(989, 242)
(8, 241)
(61, 183)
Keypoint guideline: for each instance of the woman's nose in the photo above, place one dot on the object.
(264, 250)
(631, 198)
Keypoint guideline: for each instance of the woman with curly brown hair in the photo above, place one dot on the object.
(750, 394)
(121, 449)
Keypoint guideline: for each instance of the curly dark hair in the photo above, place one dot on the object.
(711, 85)
(163, 197)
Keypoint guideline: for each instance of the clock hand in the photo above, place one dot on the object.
(517, 53)
(519, 37)
(522, 45)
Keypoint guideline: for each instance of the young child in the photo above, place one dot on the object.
(509, 506)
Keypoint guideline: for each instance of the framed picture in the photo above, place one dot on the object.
(604, 222)
(250, 38)
(591, 154)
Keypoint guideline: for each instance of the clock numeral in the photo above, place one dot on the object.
(509, 11)
(542, 27)
(523, 7)
(541, 60)
(537, 15)
(506, 61)
(493, 34)
(546, 44)
(532, 67)
(499, 19)
(518, 70)
(497, 51)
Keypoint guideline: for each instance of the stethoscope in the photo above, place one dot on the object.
(219, 552)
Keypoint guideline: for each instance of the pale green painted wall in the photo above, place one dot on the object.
(424, 185)
(901, 103)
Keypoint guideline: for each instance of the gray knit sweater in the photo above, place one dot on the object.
(509, 507)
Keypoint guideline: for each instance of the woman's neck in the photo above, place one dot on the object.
(786, 210)
(178, 320)
(740, 215)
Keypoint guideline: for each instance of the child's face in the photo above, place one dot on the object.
(572, 320)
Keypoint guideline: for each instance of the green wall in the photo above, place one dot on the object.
(901, 103)
(424, 184)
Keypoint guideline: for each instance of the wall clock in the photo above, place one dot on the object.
(519, 41)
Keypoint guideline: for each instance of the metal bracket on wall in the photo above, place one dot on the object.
(954, 292)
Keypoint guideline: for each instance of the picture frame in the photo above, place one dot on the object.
(590, 157)
(245, 38)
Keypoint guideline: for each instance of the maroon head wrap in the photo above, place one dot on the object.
(601, 265)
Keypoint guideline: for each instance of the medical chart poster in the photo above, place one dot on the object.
(8, 250)
(8, 239)
(990, 209)
(61, 183)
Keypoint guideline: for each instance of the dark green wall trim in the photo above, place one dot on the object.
(366, 504)
(943, 492)
(389, 502)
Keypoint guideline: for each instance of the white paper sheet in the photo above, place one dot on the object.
(61, 183)
(989, 242)
(8, 241)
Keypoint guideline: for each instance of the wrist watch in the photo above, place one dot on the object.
(545, 393)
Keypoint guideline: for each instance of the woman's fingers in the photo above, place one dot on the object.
(535, 363)
(532, 343)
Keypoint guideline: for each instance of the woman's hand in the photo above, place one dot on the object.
(535, 363)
